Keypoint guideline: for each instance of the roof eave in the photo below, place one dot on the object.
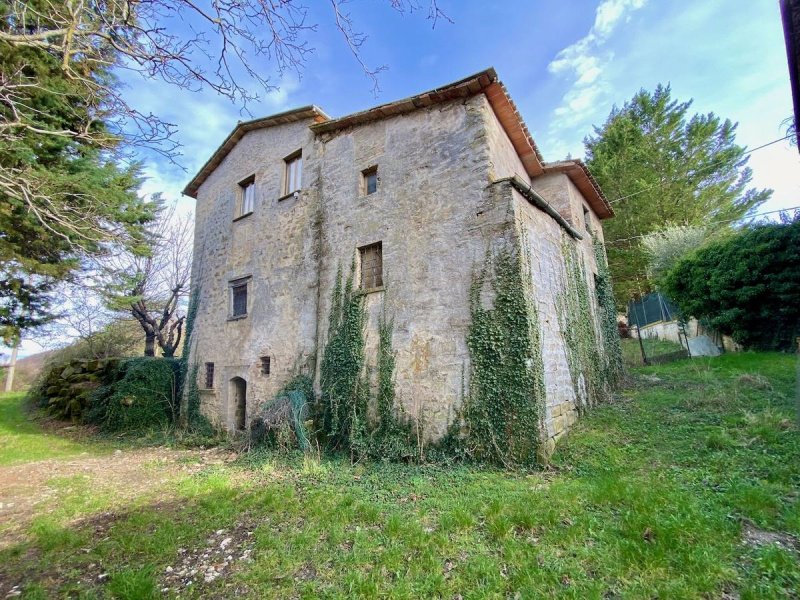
(583, 179)
(290, 116)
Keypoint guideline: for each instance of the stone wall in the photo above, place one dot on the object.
(436, 212)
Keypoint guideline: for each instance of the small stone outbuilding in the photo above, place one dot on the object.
(418, 195)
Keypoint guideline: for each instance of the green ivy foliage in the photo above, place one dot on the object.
(138, 395)
(345, 384)
(191, 419)
(579, 330)
(607, 315)
(504, 410)
(344, 399)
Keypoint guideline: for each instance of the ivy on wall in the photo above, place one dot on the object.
(579, 329)
(190, 417)
(346, 389)
(504, 409)
(607, 316)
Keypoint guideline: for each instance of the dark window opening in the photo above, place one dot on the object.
(370, 180)
(238, 391)
(209, 375)
(587, 221)
(265, 365)
(371, 266)
(239, 293)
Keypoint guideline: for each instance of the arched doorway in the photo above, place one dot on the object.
(238, 402)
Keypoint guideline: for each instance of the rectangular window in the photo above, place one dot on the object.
(294, 172)
(247, 195)
(371, 266)
(265, 364)
(369, 181)
(587, 221)
(209, 375)
(239, 298)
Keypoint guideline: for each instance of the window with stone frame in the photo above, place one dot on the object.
(209, 379)
(371, 259)
(587, 220)
(239, 297)
(247, 195)
(293, 177)
(369, 181)
(265, 365)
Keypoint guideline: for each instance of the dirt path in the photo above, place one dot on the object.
(31, 489)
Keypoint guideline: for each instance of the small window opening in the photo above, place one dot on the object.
(587, 220)
(371, 266)
(370, 180)
(265, 364)
(247, 195)
(239, 299)
(209, 375)
(294, 172)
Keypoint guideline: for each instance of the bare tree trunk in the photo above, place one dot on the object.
(10, 372)
(149, 343)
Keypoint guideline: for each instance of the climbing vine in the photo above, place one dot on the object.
(346, 389)
(580, 332)
(344, 397)
(607, 315)
(504, 410)
(191, 418)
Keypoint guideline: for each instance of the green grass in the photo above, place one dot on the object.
(653, 348)
(22, 439)
(646, 498)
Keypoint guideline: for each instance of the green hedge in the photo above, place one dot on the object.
(139, 394)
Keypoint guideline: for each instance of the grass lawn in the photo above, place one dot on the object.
(23, 440)
(686, 487)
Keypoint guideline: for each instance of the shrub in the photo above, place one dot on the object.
(139, 394)
(747, 286)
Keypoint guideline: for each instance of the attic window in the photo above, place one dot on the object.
(247, 195)
(294, 172)
(369, 181)
(587, 220)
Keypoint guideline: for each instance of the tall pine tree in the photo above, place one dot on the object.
(63, 196)
(658, 166)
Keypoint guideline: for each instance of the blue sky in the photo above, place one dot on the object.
(565, 64)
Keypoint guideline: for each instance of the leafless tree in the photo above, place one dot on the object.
(153, 288)
(216, 44)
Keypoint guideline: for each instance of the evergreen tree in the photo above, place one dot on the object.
(63, 197)
(658, 166)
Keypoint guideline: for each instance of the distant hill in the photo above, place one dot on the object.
(27, 370)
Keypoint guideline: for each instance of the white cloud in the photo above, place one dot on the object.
(584, 62)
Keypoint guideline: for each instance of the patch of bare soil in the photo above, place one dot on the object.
(33, 489)
(754, 536)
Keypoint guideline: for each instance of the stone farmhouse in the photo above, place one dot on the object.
(417, 194)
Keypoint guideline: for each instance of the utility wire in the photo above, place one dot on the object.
(769, 212)
(708, 167)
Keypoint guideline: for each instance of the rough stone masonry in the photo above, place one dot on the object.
(417, 192)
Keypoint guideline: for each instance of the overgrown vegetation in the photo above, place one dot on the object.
(504, 411)
(746, 286)
(679, 490)
(582, 340)
(138, 394)
(613, 369)
(344, 422)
